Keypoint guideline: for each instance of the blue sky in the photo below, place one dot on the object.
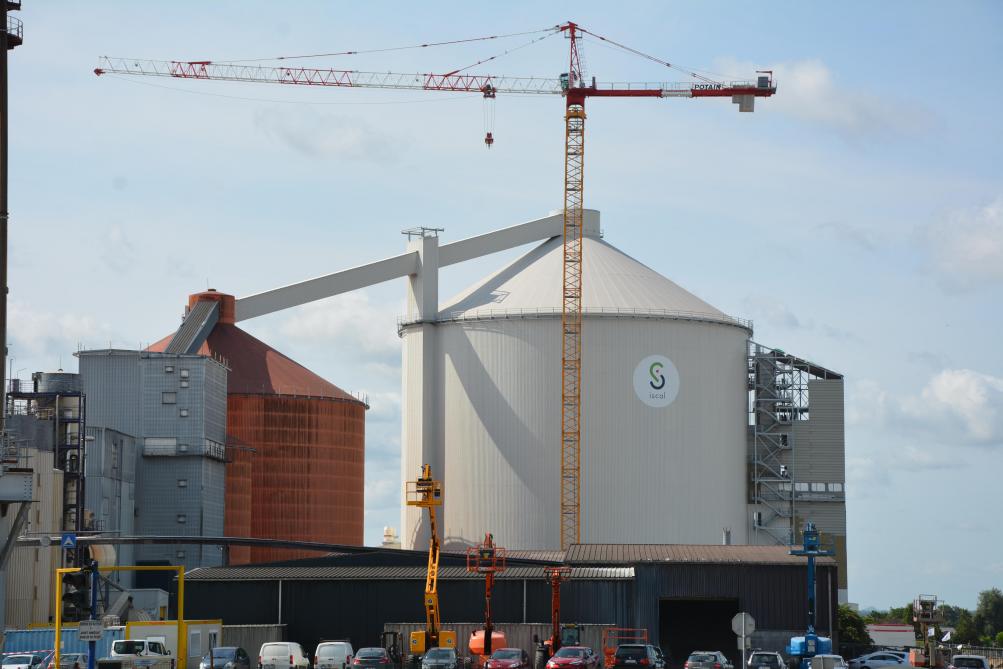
(857, 217)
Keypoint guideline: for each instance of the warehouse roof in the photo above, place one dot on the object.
(610, 554)
(273, 573)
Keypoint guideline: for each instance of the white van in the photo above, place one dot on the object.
(282, 655)
(333, 655)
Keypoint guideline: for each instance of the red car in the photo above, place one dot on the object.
(574, 656)
(508, 658)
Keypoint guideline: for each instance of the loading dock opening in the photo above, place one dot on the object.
(686, 625)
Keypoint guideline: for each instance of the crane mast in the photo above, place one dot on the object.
(426, 493)
(575, 89)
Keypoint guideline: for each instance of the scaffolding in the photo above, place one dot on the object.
(778, 398)
(66, 409)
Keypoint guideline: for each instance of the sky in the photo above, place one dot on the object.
(856, 217)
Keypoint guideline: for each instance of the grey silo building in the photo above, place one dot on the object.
(167, 412)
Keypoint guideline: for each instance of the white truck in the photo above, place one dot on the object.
(138, 654)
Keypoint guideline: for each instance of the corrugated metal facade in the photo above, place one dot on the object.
(29, 576)
(358, 609)
(307, 470)
(350, 596)
(499, 437)
(169, 412)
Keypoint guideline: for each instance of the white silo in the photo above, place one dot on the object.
(664, 408)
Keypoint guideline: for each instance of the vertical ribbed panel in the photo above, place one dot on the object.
(649, 475)
(307, 469)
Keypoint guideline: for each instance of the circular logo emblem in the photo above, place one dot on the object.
(656, 381)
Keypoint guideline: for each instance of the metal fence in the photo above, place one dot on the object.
(517, 635)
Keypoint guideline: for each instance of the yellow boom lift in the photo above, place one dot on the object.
(426, 493)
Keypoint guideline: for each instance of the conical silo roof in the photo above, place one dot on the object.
(613, 283)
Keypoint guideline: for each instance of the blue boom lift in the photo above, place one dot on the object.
(811, 644)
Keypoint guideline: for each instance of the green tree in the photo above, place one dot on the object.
(852, 627)
(999, 639)
(965, 630)
(988, 616)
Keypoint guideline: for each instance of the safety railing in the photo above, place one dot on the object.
(552, 312)
(15, 28)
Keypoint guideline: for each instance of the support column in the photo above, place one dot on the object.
(421, 437)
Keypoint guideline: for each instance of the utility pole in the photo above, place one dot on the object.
(10, 37)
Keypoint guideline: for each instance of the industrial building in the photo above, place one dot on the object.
(684, 595)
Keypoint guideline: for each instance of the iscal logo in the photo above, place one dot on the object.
(656, 381)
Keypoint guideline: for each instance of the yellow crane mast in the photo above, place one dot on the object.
(427, 493)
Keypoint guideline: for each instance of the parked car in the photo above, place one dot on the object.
(145, 653)
(762, 659)
(508, 658)
(373, 657)
(637, 654)
(21, 661)
(440, 658)
(574, 656)
(69, 661)
(707, 659)
(333, 655)
(969, 662)
(226, 657)
(826, 661)
(282, 655)
(881, 658)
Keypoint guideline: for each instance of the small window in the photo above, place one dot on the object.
(180, 555)
(168, 369)
(184, 373)
(801, 487)
(182, 483)
(182, 518)
(184, 384)
(169, 398)
(835, 487)
(184, 413)
(182, 448)
(818, 487)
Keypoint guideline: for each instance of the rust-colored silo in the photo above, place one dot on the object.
(296, 446)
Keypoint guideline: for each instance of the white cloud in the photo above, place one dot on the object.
(41, 338)
(320, 135)
(770, 310)
(353, 322)
(955, 407)
(809, 91)
(967, 246)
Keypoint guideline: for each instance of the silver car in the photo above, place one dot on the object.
(707, 659)
(762, 659)
(879, 659)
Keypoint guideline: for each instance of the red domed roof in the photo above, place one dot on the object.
(255, 367)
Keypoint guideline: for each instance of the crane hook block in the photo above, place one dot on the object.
(489, 140)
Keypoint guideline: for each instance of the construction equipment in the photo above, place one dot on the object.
(487, 559)
(803, 648)
(560, 635)
(575, 88)
(612, 637)
(426, 493)
(927, 613)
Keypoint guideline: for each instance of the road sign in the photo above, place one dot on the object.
(743, 624)
(68, 541)
(90, 630)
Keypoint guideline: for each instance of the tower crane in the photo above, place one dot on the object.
(426, 493)
(573, 86)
